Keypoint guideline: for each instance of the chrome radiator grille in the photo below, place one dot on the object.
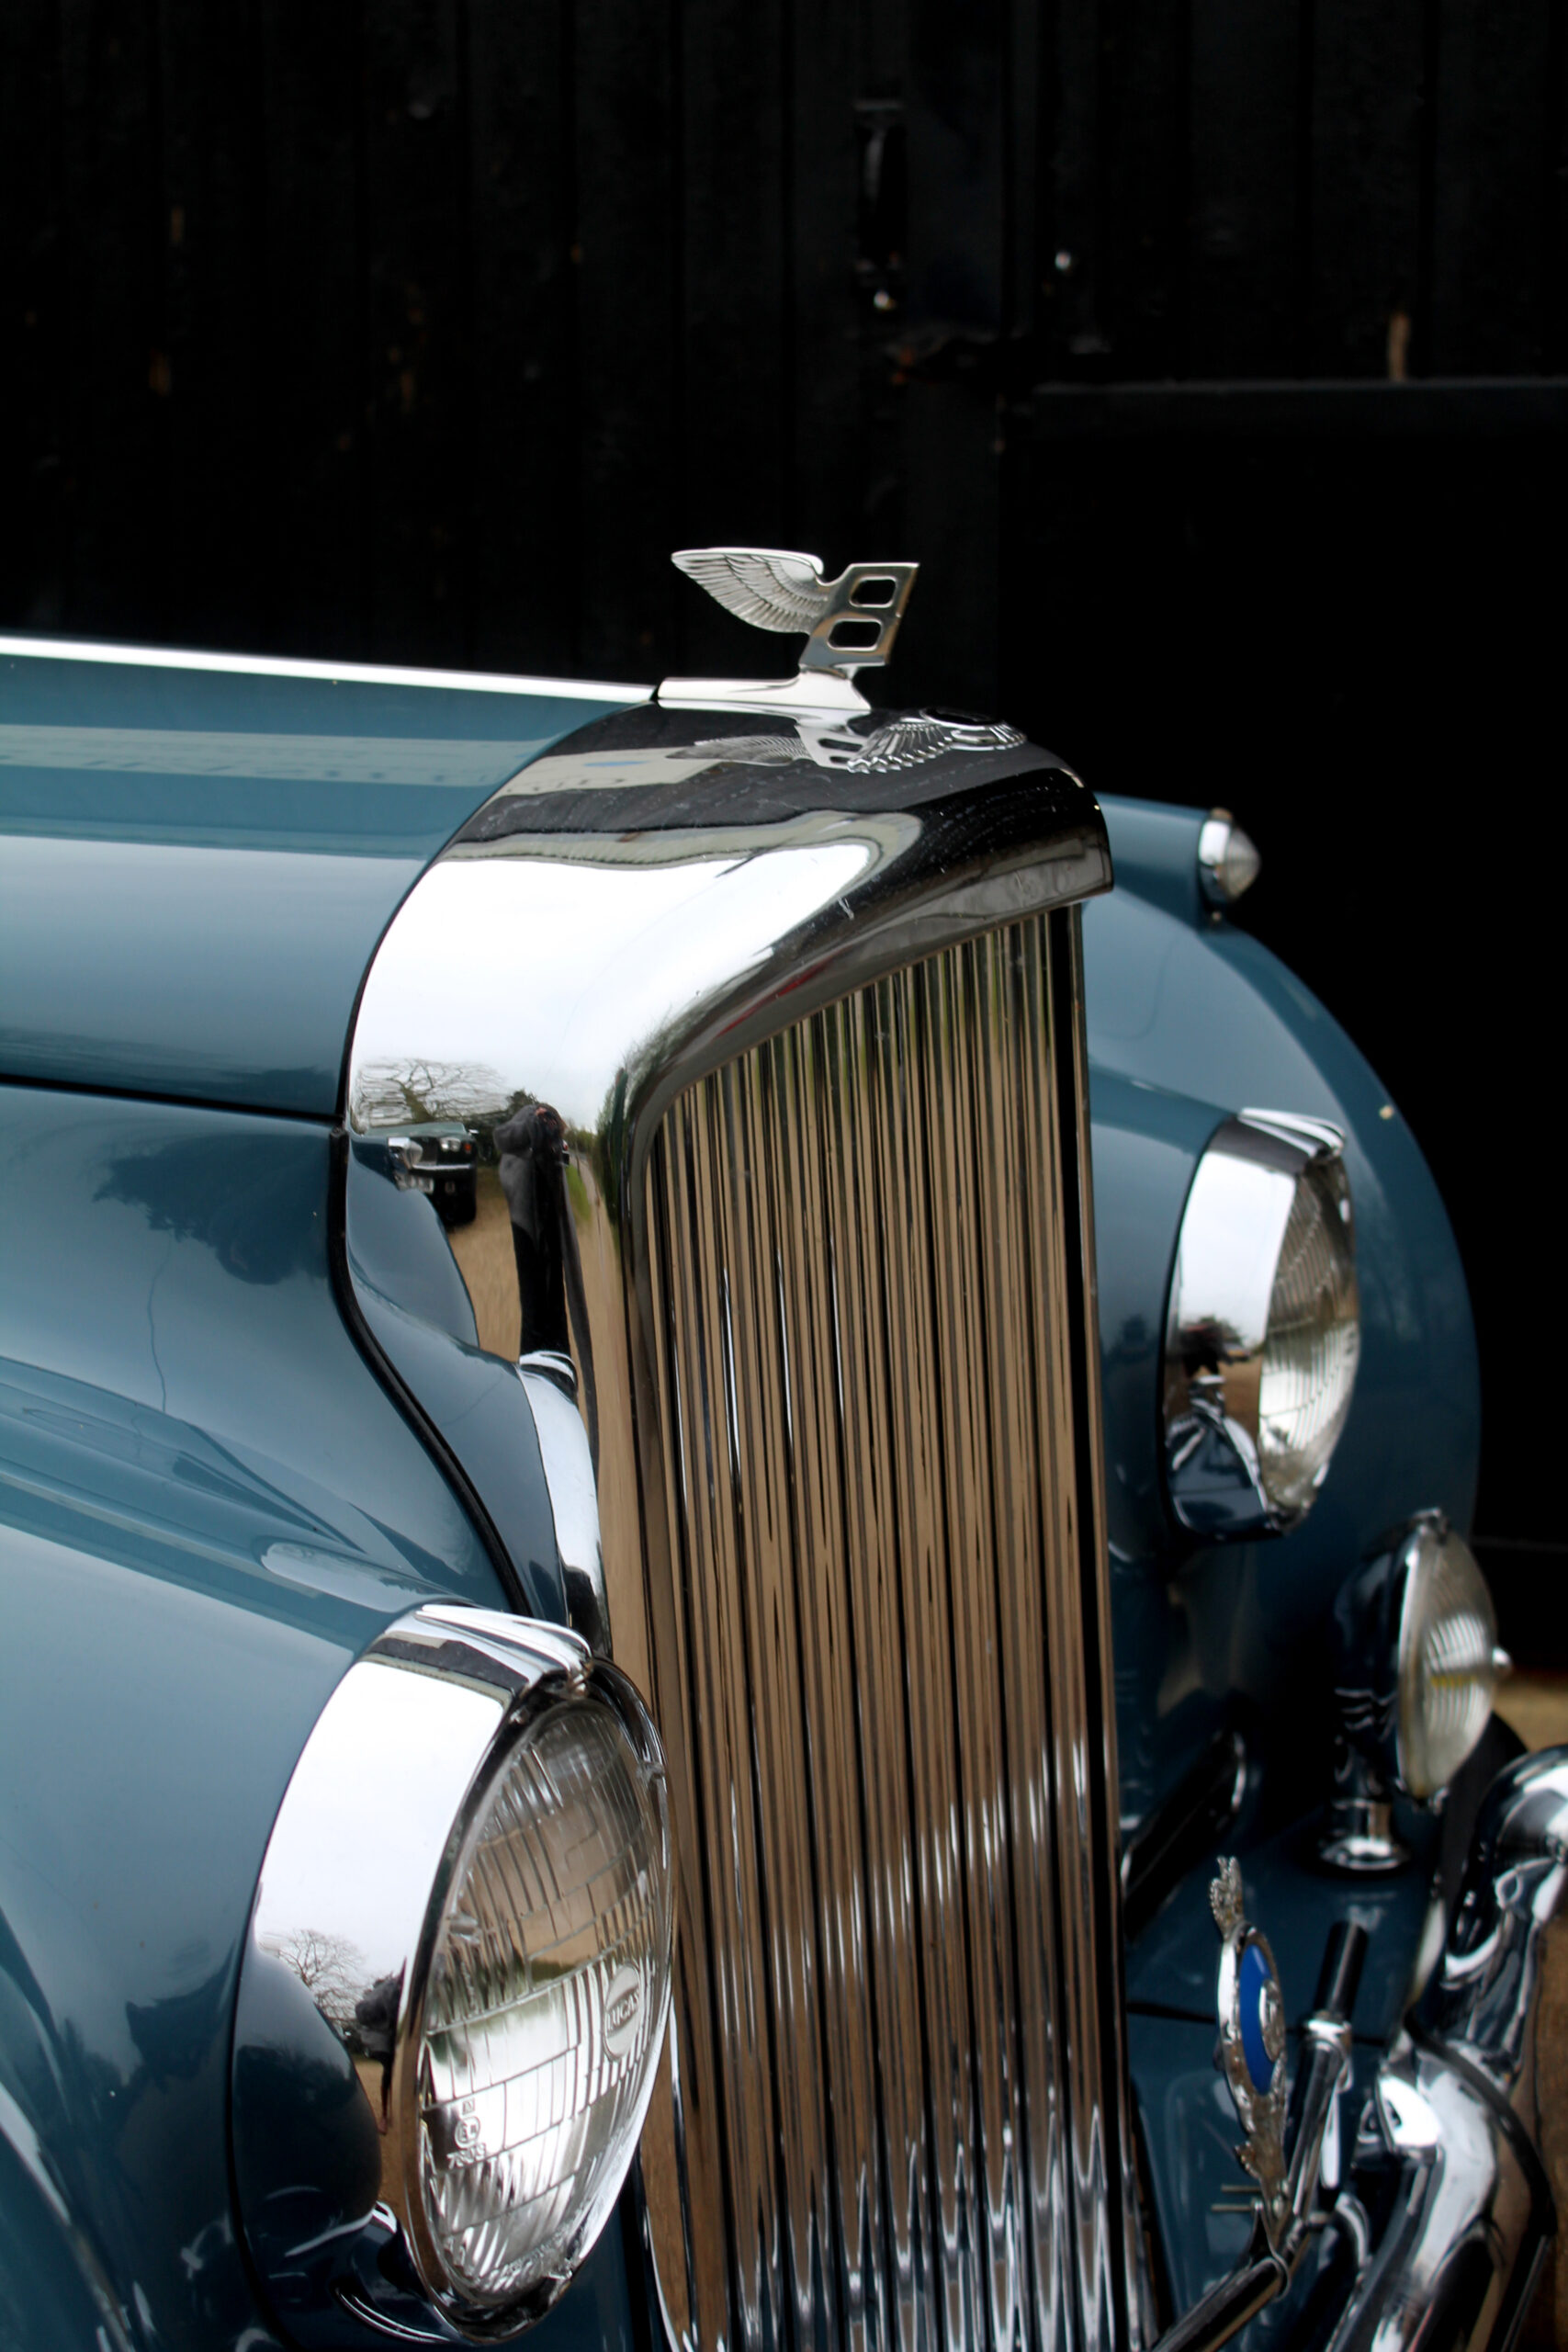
(864, 1292)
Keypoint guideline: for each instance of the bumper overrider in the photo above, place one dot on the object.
(1445, 2215)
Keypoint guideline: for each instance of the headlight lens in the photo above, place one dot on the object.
(1264, 1327)
(1450, 1664)
(545, 1991)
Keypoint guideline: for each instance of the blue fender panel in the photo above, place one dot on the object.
(407, 1286)
(170, 1328)
(208, 1505)
(1188, 1022)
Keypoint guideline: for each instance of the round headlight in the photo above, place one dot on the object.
(1263, 1332)
(1450, 1664)
(456, 1987)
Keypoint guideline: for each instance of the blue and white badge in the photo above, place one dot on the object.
(1252, 2047)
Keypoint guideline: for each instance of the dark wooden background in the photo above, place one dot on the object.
(1212, 356)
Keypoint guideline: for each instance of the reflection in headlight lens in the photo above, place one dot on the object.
(1314, 1336)
(545, 2004)
(1263, 1326)
(1448, 1662)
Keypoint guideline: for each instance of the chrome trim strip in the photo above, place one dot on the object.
(1123, 2285)
(549, 1382)
(357, 674)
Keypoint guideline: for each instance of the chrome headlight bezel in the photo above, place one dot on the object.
(373, 1835)
(1227, 1474)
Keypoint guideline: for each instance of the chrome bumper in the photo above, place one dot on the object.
(1448, 2206)
(1452, 2134)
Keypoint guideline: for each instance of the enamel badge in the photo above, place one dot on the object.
(1252, 2047)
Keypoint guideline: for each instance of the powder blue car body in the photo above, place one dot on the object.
(211, 1503)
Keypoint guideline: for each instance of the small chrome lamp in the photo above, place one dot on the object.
(1415, 1664)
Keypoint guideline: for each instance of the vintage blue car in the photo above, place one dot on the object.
(630, 1706)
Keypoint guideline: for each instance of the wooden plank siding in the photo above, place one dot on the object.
(424, 330)
(426, 327)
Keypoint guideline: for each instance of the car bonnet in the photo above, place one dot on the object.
(202, 851)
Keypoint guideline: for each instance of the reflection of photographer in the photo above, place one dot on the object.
(531, 1145)
(374, 2034)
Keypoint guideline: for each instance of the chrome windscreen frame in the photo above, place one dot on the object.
(634, 911)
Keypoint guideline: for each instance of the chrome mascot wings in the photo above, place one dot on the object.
(850, 623)
(769, 587)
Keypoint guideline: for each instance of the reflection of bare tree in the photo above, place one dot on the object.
(334, 1971)
(417, 1093)
(361, 2009)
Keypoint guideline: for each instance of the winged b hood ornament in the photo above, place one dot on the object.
(848, 623)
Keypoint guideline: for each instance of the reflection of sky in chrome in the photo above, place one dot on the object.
(552, 974)
(1230, 1234)
(414, 1741)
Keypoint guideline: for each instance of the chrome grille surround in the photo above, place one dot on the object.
(830, 1200)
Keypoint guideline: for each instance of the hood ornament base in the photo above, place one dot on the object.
(848, 623)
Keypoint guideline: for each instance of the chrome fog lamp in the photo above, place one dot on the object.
(1416, 1662)
(1263, 1331)
(468, 1887)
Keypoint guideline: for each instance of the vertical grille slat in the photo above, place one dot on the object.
(863, 1440)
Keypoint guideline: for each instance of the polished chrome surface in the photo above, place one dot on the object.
(1359, 1836)
(1230, 1251)
(349, 1902)
(549, 1381)
(811, 693)
(1481, 1999)
(909, 738)
(1455, 2110)
(849, 622)
(1467, 2223)
(1326, 2048)
(1228, 859)
(817, 1076)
